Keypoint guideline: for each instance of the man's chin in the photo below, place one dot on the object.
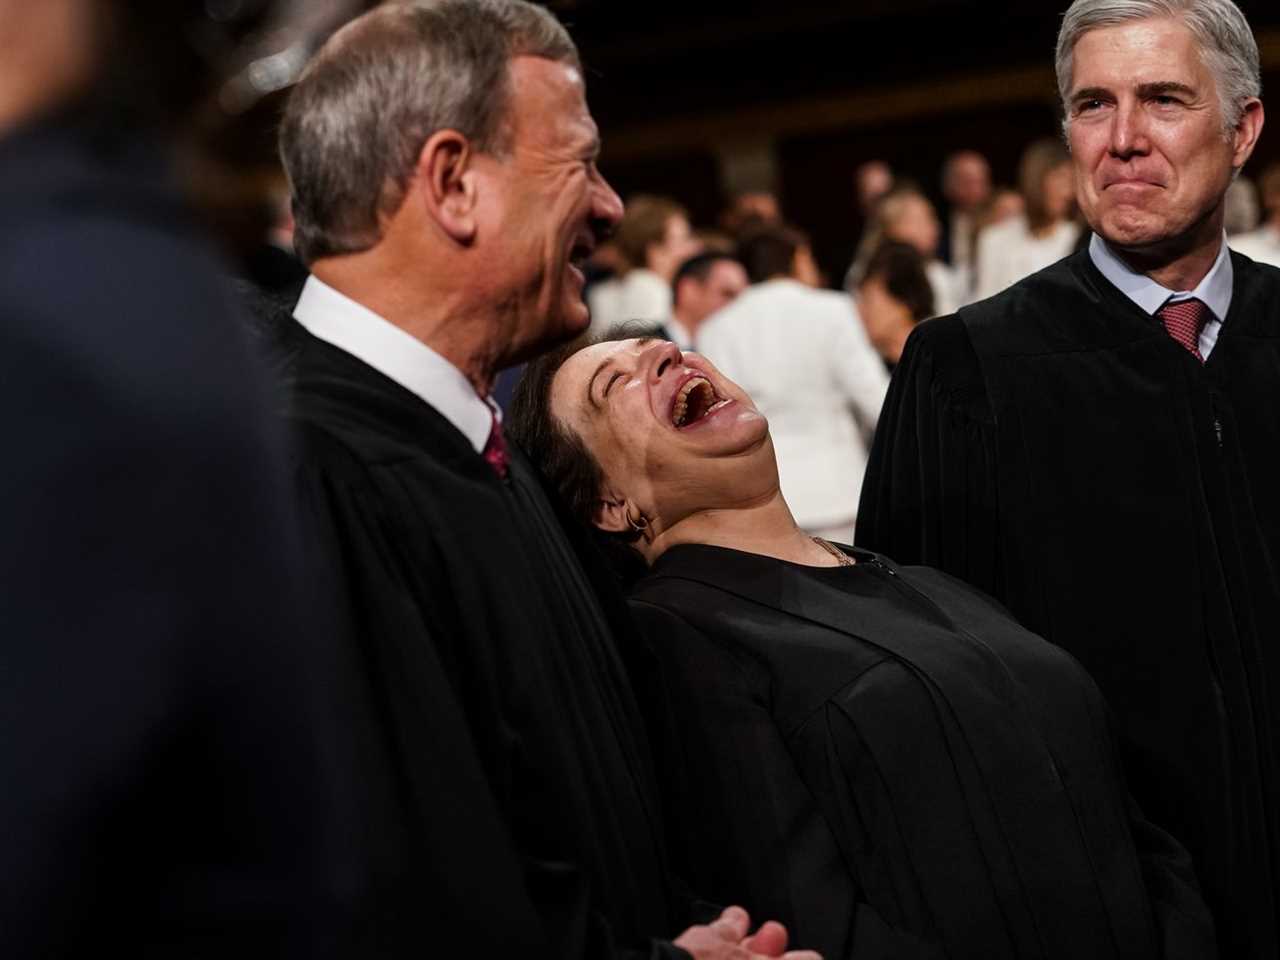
(555, 332)
(1127, 232)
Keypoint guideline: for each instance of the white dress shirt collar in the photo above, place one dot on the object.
(357, 330)
(1214, 291)
(679, 334)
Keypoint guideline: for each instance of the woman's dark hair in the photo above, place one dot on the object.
(900, 268)
(572, 471)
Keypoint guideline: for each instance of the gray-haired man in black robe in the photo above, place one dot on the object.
(443, 164)
(1099, 446)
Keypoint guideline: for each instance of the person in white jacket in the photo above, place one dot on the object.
(803, 355)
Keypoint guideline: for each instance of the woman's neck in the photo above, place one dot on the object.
(764, 526)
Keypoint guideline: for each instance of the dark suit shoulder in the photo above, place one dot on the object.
(1255, 303)
(940, 361)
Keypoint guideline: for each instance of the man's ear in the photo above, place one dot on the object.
(447, 183)
(1247, 132)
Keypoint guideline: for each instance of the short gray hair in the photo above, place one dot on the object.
(382, 86)
(1221, 31)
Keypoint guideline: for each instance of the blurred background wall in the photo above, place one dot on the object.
(700, 100)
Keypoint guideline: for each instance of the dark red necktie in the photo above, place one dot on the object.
(1184, 320)
(495, 450)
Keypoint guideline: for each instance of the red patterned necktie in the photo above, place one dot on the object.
(495, 450)
(1184, 320)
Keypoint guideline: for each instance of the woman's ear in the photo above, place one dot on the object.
(614, 515)
(448, 183)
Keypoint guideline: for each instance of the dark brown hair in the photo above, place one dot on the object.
(900, 268)
(573, 472)
(769, 251)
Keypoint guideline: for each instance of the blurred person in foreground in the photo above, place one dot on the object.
(1043, 234)
(164, 792)
(1098, 447)
(1263, 244)
(704, 284)
(905, 215)
(892, 297)
(803, 355)
(966, 188)
(445, 194)
(920, 776)
(654, 238)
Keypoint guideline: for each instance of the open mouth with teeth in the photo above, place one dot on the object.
(580, 253)
(694, 401)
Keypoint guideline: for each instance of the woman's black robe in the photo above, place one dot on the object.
(882, 758)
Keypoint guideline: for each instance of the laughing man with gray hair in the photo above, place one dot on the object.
(1099, 447)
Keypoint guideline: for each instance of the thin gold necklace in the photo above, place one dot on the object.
(844, 559)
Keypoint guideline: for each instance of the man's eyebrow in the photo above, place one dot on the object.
(1162, 87)
(591, 384)
(1090, 93)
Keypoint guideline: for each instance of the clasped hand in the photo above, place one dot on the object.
(726, 939)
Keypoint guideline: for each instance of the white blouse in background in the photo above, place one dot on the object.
(1007, 252)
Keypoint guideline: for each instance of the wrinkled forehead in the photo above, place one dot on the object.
(1152, 50)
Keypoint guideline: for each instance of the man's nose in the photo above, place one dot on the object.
(606, 207)
(1129, 131)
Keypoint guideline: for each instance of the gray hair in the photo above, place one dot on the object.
(1221, 32)
(383, 85)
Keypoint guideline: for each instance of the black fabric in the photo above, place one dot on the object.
(163, 793)
(1055, 447)
(884, 760)
(506, 778)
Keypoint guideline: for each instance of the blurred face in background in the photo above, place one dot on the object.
(912, 220)
(888, 321)
(968, 183)
(1059, 191)
(698, 299)
(678, 245)
(871, 182)
(1006, 205)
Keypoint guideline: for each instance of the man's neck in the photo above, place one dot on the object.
(436, 316)
(763, 525)
(1182, 263)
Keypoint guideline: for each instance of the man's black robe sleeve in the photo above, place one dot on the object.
(929, 495)
(429, 842)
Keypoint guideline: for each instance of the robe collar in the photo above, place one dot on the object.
(1214, 291)
(355, 329)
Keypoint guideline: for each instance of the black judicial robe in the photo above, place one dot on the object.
(505, 805)
(1055, 447)
(885, 760)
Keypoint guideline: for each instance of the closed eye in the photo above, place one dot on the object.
(608, 386)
